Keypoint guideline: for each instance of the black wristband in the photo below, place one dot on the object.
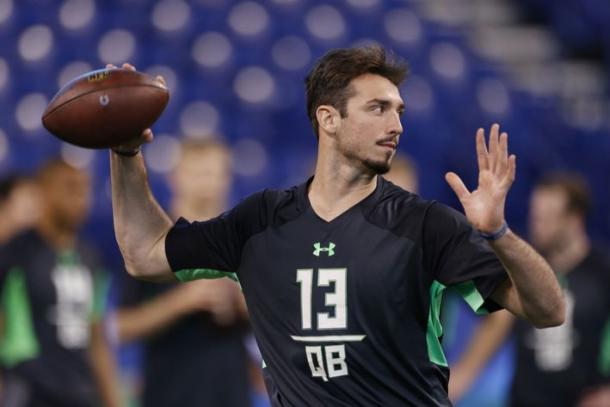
(497, 234)
(126, 153)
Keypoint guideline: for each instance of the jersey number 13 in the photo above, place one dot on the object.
(324, 361)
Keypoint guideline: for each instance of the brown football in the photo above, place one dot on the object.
(105, 108)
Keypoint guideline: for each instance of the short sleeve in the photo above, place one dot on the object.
(212, 248)
(460, 258)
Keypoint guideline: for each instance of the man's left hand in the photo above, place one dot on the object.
(484, 207)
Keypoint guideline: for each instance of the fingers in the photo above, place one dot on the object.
(126, 65)
(147, 135)
(493, 146)
(511, 172)
(161, 79)
(482, 150)
(502, 155)
(495, 158)
(455, 182)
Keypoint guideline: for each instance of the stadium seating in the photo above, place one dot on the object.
(236, 70)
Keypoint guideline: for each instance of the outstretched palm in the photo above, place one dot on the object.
(484, 207)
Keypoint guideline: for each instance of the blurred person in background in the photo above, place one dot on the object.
(19, 205)
(193, 333)
(19, 209)
(568, 365)
(403, 173)
(53, 349)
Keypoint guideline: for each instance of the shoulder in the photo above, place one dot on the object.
(598, 261)
(401, 211)
(20, 245)
(269, 207)
(13, 252)
(407, 214)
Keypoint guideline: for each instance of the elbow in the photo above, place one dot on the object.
(132, 261)
(556, 316)
(133, 266)
(133, 271)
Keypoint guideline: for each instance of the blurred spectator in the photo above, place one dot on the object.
(568, 365)
(193, 333)
(403, 173)
(53, 350)
(19, 205)
(19, 209)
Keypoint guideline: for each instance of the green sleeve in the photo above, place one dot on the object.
(101, 286)
(196, 274)
(604, 353)
(18, 341)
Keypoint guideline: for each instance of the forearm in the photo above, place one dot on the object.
(145, 319)
(487, 338)
(537, 295)
(104, 367)
(140, 224)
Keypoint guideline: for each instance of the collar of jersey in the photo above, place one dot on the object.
(365, 205)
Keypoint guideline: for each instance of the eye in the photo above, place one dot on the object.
(378, 108)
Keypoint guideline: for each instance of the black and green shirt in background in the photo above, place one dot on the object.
(558, 366)
(48, 300)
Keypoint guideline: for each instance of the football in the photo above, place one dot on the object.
(105, 108)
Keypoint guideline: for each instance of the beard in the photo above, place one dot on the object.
(377, 167)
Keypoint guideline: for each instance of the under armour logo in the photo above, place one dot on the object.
(330, 250)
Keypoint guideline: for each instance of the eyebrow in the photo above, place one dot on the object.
(386, 103)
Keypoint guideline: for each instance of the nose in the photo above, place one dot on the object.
(395, 126)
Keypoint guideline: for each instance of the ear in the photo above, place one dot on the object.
(328, 118)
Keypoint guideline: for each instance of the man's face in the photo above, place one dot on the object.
(549, 221)
(371, 131)
(67, 196)
(203, 176)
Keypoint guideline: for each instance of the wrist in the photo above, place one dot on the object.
(495, 235)
(126, 152)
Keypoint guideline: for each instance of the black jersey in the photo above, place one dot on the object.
(200, 354)
(48, 300)
(557, 366)
(346, 312)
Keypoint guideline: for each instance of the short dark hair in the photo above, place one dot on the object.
(576, 188)
(328, 81)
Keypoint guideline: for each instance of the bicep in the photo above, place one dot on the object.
(154, 267)
(164, 272)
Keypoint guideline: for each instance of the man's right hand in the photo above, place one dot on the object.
(147, 135)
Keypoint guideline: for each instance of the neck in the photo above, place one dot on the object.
(59, 237)
(338, 185)
(565, 257)
(197, 210)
